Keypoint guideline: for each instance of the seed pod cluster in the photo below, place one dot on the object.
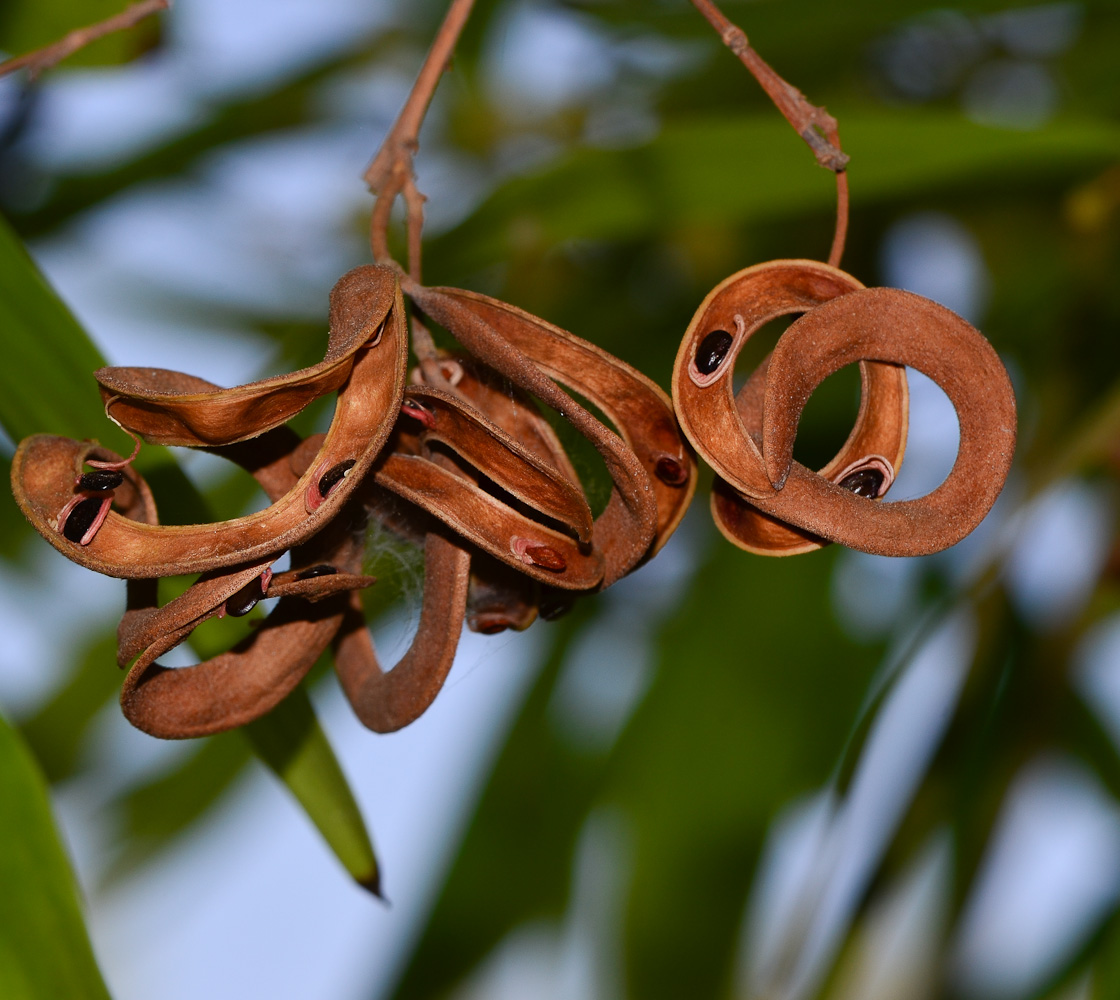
(487, 490)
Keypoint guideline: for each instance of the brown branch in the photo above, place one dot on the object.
(50, 55)
(814, 124)
(390, 174)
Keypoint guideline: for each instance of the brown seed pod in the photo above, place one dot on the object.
(884, 324)
(711, 416)
(168, 407)
(644, 508)
(387, 701)
(513, 467)
(235, 687)
(368, 403)
(770, 503)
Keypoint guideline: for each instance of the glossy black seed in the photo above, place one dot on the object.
(245, 599)
(864, 482)
(712, 350)
(323, 569)
(101, 479)
(332, 477)
(81, 519)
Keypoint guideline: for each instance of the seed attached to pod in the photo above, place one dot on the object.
(418, 412)
(869, 477)
(84, 516)
(712, 350)
(100, 480)
(864, 482)
(545, 557)
(332, 477)
(670, 471)
(322, 569)
(245, 599)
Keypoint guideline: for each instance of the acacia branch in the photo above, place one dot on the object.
(391, 174)
(50, 55)
(814, 124)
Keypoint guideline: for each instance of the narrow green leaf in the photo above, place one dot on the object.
(292, 743)
(44, 949)
(695, 173)
(514, 866)
(49, 358)
(47, 386)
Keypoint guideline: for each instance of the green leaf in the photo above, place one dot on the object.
(49, 358)
(44, 949)
(514, 865)
(292, 743)
(752, 168)
(47, 386)
(56, 731)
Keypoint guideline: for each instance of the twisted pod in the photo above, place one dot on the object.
(767, 503)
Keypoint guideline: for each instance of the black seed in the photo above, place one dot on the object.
(245, 599)
(712, 350)
(332, 477)
(323, 569)
(864, 482)
(670, 471)
(81, 519)
(102, 479)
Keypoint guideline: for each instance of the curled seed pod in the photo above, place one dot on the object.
(534, 481)
(642, 511)
(167, 407)
(887, 326)
(363, 418)
(385, 701)
(726, 427)
(486, 521)
(722, 427)
(237, 686)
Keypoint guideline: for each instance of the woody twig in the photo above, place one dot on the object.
(50, 55)
(814, 124)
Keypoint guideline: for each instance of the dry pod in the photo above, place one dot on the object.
(652, 472)
(368, 402)
(768, 503)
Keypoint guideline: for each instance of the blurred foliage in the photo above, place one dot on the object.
(40, 895)
(759, 695)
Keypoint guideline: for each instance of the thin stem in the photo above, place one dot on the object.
(50, 55)
(814, 124)
(390, 173)
(841, 232)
